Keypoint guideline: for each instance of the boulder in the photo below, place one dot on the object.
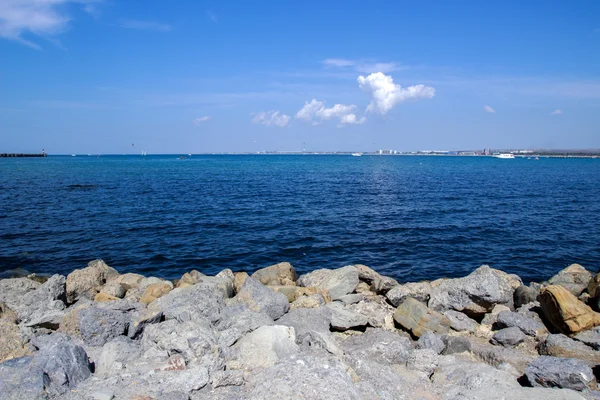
(263, 347)
(155, 291)
(260, 298)
(590, 338)
(508, 337)
(226, 274)
(44, 306)
(282, 274)
(351, 299)
(560, 345)
(416, 318)
(574, 278)
(344, 319)
(377, 310)
(128, 280)
(565, 312)
(69, 324)
(140, 319)
(237, 321)
(238, 281)
(102, 297)
(460, 322)
(12, 341)
(378, 283)
(12, 290)
(524, 295)
(555, 372)
(307, 319)
(190, 279)
(423, 360)
(432, 341)
(528, 326)
(116, 354)
(455, 344)
(337, 282)
(378, 345)
(292, 293)
(7, 314)
(312, 301)
(417, 290)
(475, 294)
(312, 340)
(496, 356)
(99, 325)
(88, 281)
(114, 289)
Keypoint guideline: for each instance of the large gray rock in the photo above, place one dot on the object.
(497, 356)
(475, 294)
(378, 311)
(307, 319)
(455, 344)
(337, 282)
(99, 324)
(343, 319)
(378, 283)
(560, 345)
(140, 319)
(263, 348)
(432, 341)
(524, 295)
(508, 337)
(278, 274)
(197, 302)
(236, 321)
(416, 290)
(416, 318)
(13, 290)
(42, 307)
(574, 278)
(378, 345)
(260, 298)
(460, 322)
(529, 326)
(590, 337)
(116, 354)
(13, 343)
(423, 360)
(88, 281)
(554, 372)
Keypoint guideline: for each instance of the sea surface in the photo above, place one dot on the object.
(412, 218)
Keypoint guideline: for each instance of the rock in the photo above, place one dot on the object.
(560, 345)
(378, 283)
(227, 378)
(508, 337)
(238, 281)
(383, 285)
(432, 341)
(496, 356)
(554, 372)
(312, 301)
(378, 345)
(418, 291)
(455, 344)
(292, 293)
(70, 322)
(114, 289)
(12, 290)
(155, 291)
(116, 354)
(98, 325)
(151, 280)
(415, 317)
(351, 299)
(491, 317)
(343, 319)
(127, 281)
(460, 322)
(263, 347)
(102, 297)
(237, 321)
(88, 281)
(574, 278)
(528, 326)
(475, 294)
(190, 278)
(282, 274)
(7, 314)
(226, 274)
(106, 394)
(261, 299)
(377, 310)
(337, 282)
(363, 288)
(307, 319)
(12, 342)
(423, 360)
(565, 312)
(590, 338)
(139, 320)
(44, 306)
(319, 340)
(524, 295)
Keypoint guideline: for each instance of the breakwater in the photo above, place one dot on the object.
(22, 155)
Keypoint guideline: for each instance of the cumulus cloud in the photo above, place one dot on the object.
(556, 112)
(309, 110)
(489, 109)
(351, 119)
(145, 25)
(272, 118)
(385, 94)
(44, 18)
(316, 110)
(200, 120)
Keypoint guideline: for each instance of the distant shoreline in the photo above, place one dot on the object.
(528, 155)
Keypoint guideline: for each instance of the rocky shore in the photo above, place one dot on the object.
(347, 333)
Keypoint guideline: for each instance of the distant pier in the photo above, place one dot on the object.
(21, 155)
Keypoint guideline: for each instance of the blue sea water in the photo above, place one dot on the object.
(412, 218)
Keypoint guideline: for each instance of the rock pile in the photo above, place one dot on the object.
(346, 333)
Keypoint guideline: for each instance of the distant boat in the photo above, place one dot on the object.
(182, 158)
(504, 155)
(143, 152)
(72, 155)
(189, 155)
(356, 154)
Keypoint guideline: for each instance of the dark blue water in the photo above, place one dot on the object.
(409, 217)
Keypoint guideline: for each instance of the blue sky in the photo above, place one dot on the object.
(192, 76)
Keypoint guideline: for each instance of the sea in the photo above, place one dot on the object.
(410, 217)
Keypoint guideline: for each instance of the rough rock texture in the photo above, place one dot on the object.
(12, 341)
(557, 372)
(99, 325)
(415, 317)
(344, 319)
(496, 356)
(376, 345)
(590, 338)
(423, 360)
(238, 281)
(529, 326)
(282, 274)
(261, 299)
(44, 306)
(237, 321)
(460, 322)
(377, 310)
(155, 291)
(432, 341)
(565, 312)
(202, 300)
(114, 289)
(263, 347)
(524, 295)
(292, 293)
(116, 354)
(88, 281)
(418, 291)
(560, 345)
(128, 280)
(378, 283)
(307, 319)
(455, 344)
(337, 282)
(508, 337)
(475, 294)
(12, 290)
(574, 278)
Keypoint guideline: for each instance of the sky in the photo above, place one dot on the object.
(110, 76)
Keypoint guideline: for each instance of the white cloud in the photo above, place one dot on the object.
(556, 112)
(385, 94)
(489, 109)
(44, 18)
(200, 120)
(145, 25)
(338, 110)
(368, 68)
(316, 109)
(351, 119)
(272, 118)
(338, 62)
(363, 66)
(309, 110)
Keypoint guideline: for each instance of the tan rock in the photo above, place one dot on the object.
(415, 317)
(294, 292)
(8, 314)
(128, 280)
(312, 301)
(101, 297)
(88, 281)
(190, 278)
(12, 343)
(155, 291)
(565, 312)
(69, 325)
(363, 288)
(226, 274)
(114, 289)
(574, 278)
(239, 278)
(278, 274)
(594, 286)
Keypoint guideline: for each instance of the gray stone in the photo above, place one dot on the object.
(460, 322)
(227, 378)
(379, 284)
(13, 343)
(44, 306)
(554, 372)
(560, 345)
(423, 360)
(88, 281)
(116, 354)
(416, 318)
(98, 325)
(524, 295)
(237, 321)
(197, 302)
(475, 294)
(430, 340)
(114, 289)
(319, 340)
(574, 278)
(140, 319)
(351, 298)
(508, 337)
(378, 345)
(418, 290)
(13, 290)
(337, 282)
(278, 274)
(260, 298)
(182, 381)
(263, 348)
(528, 326)
(496, 356)
(106, 394)
(455, 344)
(342, 319)
(378, 311)
(226, 274)
(307, 319)
(590, 337)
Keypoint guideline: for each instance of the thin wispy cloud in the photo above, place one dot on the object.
(212, 16)
(385, 94)
(363, 66)
(145, 25)
(556, 112)
(272, 118)
(42, 18)
(488, 109)
(200, 120)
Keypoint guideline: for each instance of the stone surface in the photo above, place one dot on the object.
(282, 274)
(378, 283)
(496, 356)
(70, 322)
(524, 295)
(432, 341)
(508, 337)
(260, 298)
(263, 347)
(337, 282)
(343, 319)
(114, 289)
(418, 291)
(378, 345)
(202, 300)
(312, 301)
(378, 311)
(190, 278)
(238, 280)
(12, 290)
(292, 293)
(416, 318)
(116, 354)
(44, 306)
(529, 326)
(98, 325)
(6, 313)
(560, 345)
(455, 344)
(139, 320)
(237, 321)
(574, 278)
(460, 322)
(556, 372)
(565, 312)
(155, 291)
(590, 337)
(307, 319)
(12, 342)
(102, 297)
(128, 280)
(423, 360)
(88, 281)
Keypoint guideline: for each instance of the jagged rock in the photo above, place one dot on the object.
(423, 360)
(508, 337)
(343, 319)
(497, 356)
(128, 280)
(432, 341)
(227, 378)
(153, 280)
(261, 299)
(155, 291)
(237, 321)
(560, 345)
(12, 290)
(524, 295)
(555, 372)
(455, 344)
(363, 288)
(491, 317)
(475, 294)
(69, 324)
(88, 281)
(351, 299)
(383, 285)
(307, 319)
(529, 326)
(282, 274)
(99, 325)
(378, 345)
(574, 278)
(590, 338)
(292, 293)
(12, 341)
(460, 322)
(202, 300)
(226, 274)
(312, 301)
(139, 320)
(6, 313)
(116, 354)
(102, 297)
(378, 283)
(190, 279)
(565, 312)
(263, 347)
(337, 282)
(44, 306)
(377, 310)
(320, 340)
(114, 289)
(415, 317)
(238, 281)
(418, 291)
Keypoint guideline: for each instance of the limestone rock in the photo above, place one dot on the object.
(7, 314)
(378, 345)
(377, 310)
(590, 337)
(12, 342)
(140, 319)
(155, 291)
(237, 321)
(560, 345)
(524, 295)
(114, 289)
(415, 317)
(343, 319)
(491, 317)
(238, 281)
(44, 306)
(337, 282)
(99, 325)
(69, 324)
(432, 341)
(263, 347)
(282, 274)
(423, 360)
(102, 297)
(190, 279)
(116, 354)
(261, 299)
(307, 319)
(312, 301)
(378, 283)
(565, 312)
(418, 291)
(460, 322)
(88, 281)
(226, 274)
(574, 278)
(508, 337)
(556, 372)
(529, 326)
(128, 280)
(12, 290)
(496, 356)
(292, 293)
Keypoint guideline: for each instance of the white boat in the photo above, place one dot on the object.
(143, 152)
(504, 155)
(72, 155)
(356, 154)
